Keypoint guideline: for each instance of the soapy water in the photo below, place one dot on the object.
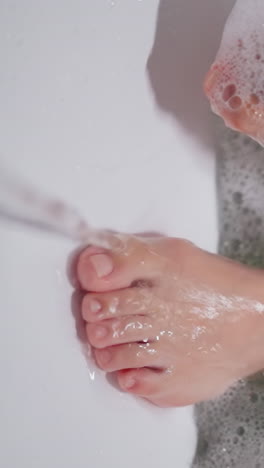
(231, 427)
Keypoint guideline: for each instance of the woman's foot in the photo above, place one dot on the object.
(179, 325)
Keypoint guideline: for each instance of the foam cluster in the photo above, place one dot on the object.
(231, 427)
(235, 82)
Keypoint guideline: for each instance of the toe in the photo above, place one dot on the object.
(105, 270)
(143, 382)
(121, 330)
(130, 301)
(152, 384)
(128, 356)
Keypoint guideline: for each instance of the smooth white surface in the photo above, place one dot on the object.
(79, 120)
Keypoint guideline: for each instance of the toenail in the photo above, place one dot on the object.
(102, 264)
(100, 332)
(105, 356)
(130, 382)
(95, 306)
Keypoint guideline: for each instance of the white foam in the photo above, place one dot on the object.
(242, 47)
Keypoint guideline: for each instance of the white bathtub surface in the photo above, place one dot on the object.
(82, 117)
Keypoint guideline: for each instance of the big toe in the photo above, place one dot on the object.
(108, 269)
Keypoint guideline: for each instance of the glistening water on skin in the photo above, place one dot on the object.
(165, 316)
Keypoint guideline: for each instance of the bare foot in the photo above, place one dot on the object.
(179, 325)
(234, 84)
